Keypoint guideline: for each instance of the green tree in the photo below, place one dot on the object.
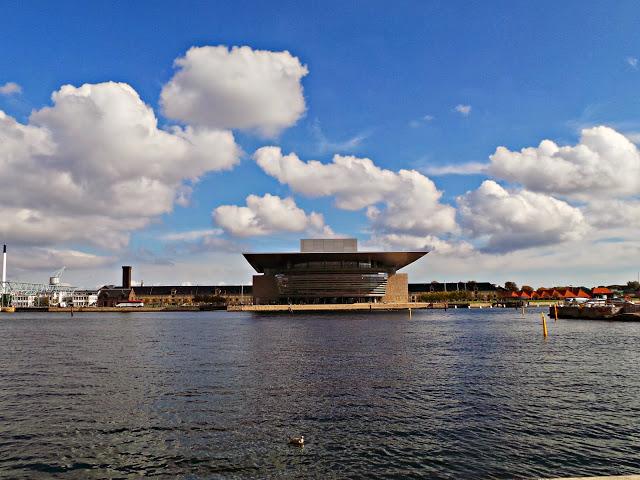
(457, 296)
(633, 285)
(511, 286)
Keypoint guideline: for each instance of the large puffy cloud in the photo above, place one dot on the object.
(410, 201)
(95, 166)
(238, 88)
(512, 220)
(615, 214)
(266, 215)
(604, 163)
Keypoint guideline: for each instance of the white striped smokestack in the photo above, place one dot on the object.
(4, 267)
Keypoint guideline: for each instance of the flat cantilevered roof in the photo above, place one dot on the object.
(396, 260)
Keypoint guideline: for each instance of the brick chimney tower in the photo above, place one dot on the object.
(126, 276)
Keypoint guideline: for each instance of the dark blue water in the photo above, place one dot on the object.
(457, 394)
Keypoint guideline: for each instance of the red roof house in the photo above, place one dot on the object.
(601, 291)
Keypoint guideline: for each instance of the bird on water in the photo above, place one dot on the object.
(299, 441)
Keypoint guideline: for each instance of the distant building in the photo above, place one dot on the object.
(84, 298)
(110, 296)
(23, 300)
(602, 292)
(193, 294)
(62, 298)
(171, 295)
(330, 271)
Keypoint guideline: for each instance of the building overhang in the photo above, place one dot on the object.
(273, 261)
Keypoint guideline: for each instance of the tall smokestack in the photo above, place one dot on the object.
(126, 276)
(4, 267)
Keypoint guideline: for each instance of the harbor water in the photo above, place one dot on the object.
(443, 394)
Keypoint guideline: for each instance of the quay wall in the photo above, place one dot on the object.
(348, 307)
(122, 309)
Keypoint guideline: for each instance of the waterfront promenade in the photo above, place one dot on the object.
(336, 307)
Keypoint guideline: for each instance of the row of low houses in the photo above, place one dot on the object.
(566, 293)
(486, 291)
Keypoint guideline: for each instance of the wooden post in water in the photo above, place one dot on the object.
(409, 312)
(555, 311)
(544, 326)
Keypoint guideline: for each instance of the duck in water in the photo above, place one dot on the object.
(298, 441)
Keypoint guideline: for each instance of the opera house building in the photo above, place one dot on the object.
(330, 271)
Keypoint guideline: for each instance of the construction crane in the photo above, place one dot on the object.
(55, 278)
(9, 289)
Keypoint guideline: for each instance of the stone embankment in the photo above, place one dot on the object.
(350, 307)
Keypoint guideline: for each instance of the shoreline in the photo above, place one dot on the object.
(360, 307)
(333, 307)
(194, 308)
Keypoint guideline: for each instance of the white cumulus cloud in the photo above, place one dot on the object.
(607, 214)
(397, 202)
(94, 166)
(603, 164)
(236, 88)
(513, 220)
(464, 110)
(266, 215)
(10, 88)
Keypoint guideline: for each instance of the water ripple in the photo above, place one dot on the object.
(462, 394)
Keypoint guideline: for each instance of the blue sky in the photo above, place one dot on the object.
(383, 83)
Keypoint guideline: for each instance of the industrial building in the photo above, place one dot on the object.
(172, 295)
(330, 271)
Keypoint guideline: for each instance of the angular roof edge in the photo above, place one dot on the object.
(397, 260)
